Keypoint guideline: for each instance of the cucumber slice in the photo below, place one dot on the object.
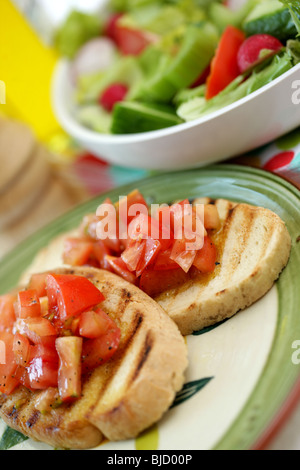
(132, 117)
(175, 73)
(222, 16)
(271, 17)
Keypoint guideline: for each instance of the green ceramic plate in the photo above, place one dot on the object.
(243, 374)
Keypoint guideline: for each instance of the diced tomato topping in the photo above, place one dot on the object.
(119, 267)
(164, 262)
(46, 351)
(93, 324)
(206, 258)
(8, 364)
(42, 374)
(7, 312)
(124, 208)
(155, 282)
(224, 66)
(152, 249)
(35, 328)
(28, 305)
(71, 294)
(100, 252)
(38, 283)
(77, 251)
(21, 348)
(69, 350)
(99, 350)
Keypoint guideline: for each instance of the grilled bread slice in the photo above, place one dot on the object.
(253, 246)
(123, 396)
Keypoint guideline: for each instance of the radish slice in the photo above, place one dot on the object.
(95, 56)
(256, 49)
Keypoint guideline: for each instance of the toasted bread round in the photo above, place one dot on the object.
(122, 397)
(253, 247)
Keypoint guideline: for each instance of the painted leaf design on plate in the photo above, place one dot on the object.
(11, 438)
(189, 389)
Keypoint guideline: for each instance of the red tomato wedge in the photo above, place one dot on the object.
(28, 305)
(152, 249)
(132, 41)
(112, 95)
(133, 253)
(224, 66)
(69, 350)
(163, 261)
(71, 294)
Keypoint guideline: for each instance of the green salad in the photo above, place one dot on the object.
(144, 65)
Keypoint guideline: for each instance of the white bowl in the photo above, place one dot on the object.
(243, 126)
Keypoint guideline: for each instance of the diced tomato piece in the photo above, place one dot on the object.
(42, 374)
(164, 262)
(132, 41)
(77, 251)
(21, 348)
(38, 283)
(255, 49)
(100, 252)
(206, 257)
(28, 305)
(112, 95)
(130, 206)
(224, 66)
(8, 365)
(152, 249)
(97, 351)
(93, 324)
(46, 349)
(69, 350)
(183, 257)
(72, 295)
(35, 328)
(107, 229)
(7, 312)
(120, 268)
(144, 227)
(133, 254)
(155, 282)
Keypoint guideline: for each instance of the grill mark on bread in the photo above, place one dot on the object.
(143, 355)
